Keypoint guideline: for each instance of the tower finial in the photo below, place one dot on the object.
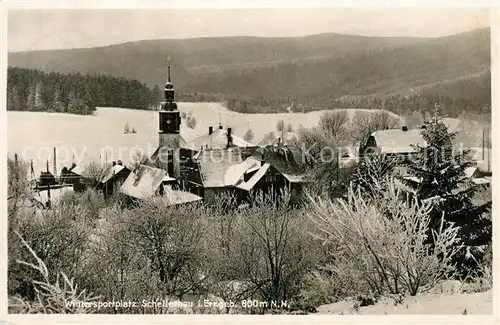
(168, 73)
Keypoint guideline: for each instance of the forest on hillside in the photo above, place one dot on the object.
(75, 93)
(35, 90)
(471, 95)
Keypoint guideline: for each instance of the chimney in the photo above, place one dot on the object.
(229, 138)
(210, 130)
(114, 163)
(262, 161)
(404, 128)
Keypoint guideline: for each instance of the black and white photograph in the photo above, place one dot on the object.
(305, 161)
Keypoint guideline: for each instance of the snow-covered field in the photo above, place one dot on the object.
(32, 135)
(424, 304)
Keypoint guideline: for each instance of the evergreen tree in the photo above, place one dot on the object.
(30, 102)
(372, 172)
(57, 104)
(439, 176)
(78, 106)
(156, 95)
(13, 99)
(248, 135)
(39, 104)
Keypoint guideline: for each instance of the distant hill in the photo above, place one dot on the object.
(256, 74)
(376, 72)
(146, 60)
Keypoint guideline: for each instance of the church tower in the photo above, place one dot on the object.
(169, 134)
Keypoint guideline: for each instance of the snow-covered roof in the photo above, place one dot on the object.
(248, 185)
(398, 141)
(143, 182)
(216, 140)
(111, 172)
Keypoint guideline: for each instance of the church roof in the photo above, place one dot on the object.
(216, 140)
(218, 167)
(155, 157)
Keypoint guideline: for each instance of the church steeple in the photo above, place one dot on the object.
(170, 119)
(170, 104)
(170, 127)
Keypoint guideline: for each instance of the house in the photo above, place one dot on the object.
(143, 182)
(146, 182)
(281, 167)
(214, 172)
(476, 176)
(218, 139)
(401, 144)
(73, 176)
(394, 142)
(229, 172)
(112, 178)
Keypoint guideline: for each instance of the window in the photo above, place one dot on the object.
(271, 178)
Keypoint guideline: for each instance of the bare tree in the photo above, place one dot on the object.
(270, 248)
(333, 125)
(58, 236)
(52, 296)
(174, 245)
(364, 124)
(92, 173)
(138, 159)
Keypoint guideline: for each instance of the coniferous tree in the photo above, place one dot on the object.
(30, 102)
(39, 104)
(13, 99)
(248, 135)
(57, 104)
(371, 173)
(439, 176)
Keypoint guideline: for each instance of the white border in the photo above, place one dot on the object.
(244, 319)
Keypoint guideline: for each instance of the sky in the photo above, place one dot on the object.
(35, 29)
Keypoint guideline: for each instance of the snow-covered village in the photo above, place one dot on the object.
(336, 173)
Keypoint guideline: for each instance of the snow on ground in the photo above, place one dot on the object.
(423, 304)
(100, 137)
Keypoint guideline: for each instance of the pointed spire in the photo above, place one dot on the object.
(168, 70)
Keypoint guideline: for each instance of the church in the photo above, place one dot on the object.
(215, 163)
